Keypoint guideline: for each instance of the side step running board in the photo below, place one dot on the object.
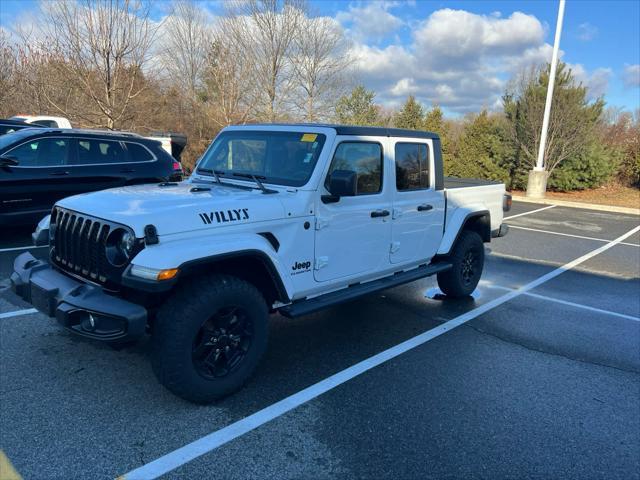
(305, 307)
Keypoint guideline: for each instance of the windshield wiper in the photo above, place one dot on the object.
(215, 173)
(255, 178)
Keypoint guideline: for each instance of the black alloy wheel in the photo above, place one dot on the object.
(222, 342)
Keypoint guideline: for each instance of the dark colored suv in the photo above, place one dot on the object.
(40, 166)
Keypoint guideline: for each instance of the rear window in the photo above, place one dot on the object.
(412, 166)
(92, 151)
(138, 153)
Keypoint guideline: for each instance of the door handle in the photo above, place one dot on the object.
(127, 170)
(424, 207)
(59, 174)
(380, 213)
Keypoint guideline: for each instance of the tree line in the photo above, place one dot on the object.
(587, 144)
(109, 64)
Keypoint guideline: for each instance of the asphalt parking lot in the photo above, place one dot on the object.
(536, 376)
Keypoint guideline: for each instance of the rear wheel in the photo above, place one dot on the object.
(467, 258)
(209, 337)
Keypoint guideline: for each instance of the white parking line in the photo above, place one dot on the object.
(569, 304)
(528, 213)
(210, 442)
(570, 235)
(17, 313)
(15, 249)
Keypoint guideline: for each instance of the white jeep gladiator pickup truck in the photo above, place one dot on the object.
(275, 218)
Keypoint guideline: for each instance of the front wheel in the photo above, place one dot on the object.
(209, 337)
(467, 258)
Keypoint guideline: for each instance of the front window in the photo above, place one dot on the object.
(42, 152)
(281, 158)
(364, 158)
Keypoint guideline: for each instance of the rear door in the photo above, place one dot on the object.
(418, 209)
(144, 166)
(99, 164)
(41, 177)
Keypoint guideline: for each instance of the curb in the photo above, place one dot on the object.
(587, 206)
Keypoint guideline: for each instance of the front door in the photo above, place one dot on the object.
(418, 209)
(353, 234)
(41, 177)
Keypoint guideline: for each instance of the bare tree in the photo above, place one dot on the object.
(228, 83)
(186, 41)
(103, 46)
(8, 67)
(319, 62)
(265, 31)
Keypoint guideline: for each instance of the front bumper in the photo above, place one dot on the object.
(80, 307)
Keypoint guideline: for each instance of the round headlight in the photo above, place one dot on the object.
(120, 246)
(125, 244)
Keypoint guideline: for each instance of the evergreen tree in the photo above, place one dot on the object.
(357, 108)
(571, 126)
(484, 149)
(410, 116)
(434, 120)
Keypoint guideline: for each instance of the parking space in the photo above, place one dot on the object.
(511, 383)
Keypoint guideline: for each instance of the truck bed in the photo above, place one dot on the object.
(462, 193)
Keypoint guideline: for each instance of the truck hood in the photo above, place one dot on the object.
(176, 208)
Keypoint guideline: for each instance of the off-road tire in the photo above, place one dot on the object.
(177, 325)
(457, 282)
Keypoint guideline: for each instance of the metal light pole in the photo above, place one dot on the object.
(537, 184)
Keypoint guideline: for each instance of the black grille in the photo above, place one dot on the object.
(79, 246)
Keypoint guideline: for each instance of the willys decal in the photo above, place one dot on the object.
(224, 216)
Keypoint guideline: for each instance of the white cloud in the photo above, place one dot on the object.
(404, 87)
(587, 32)
(370, 22)
(597, 82)
(462, 61)
(462, 34)
(631, 75)
(456, 59)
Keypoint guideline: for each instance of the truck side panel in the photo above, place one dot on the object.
(466, 201)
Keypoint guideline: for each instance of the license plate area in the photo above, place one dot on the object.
(42, 299)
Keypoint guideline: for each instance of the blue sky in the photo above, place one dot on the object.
(460, 54)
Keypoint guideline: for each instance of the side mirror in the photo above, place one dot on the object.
(8, 160)
(343, 183)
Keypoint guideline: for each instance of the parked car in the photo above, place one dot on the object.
(9, 126)
(44, 120)
(40, 166)
(172, 142)
(287, 218)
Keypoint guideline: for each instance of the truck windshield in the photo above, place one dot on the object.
(280, 158)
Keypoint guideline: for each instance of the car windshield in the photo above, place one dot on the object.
(280, 158)
(14, 137)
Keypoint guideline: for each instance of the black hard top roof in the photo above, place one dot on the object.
(360, 130)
